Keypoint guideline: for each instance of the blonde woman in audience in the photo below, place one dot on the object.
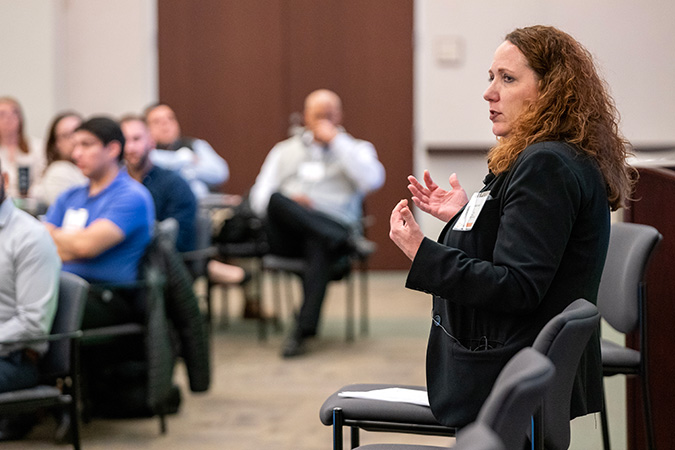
(22, 157)
(61, 172)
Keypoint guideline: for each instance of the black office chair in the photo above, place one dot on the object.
(157, 348)
(517, 393)
(569, 330)
(61, 362)
(622, 303)
(563, 339)
(278, 266)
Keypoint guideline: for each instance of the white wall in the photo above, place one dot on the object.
(633, 44)
(29, 72)
(94, 56)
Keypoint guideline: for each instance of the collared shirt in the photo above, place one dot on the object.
(335, 176)
(29, 278)
(196, 161)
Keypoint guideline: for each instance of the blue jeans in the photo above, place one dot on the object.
(17, 371)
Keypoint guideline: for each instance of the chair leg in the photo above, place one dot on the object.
(262, 320)
(278, 313)
(75, 393)
(604, 425)
(209, 299)
(162, 423)
(538, 429)
(337, 428)
(647, 407)
(364, 297)
(225, 305)
(356, 439)
(350, 308)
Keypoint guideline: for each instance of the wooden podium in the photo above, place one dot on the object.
(654, 204)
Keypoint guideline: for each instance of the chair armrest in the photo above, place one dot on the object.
(44, 338)
(196, 255)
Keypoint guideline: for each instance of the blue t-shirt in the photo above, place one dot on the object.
(127, 204)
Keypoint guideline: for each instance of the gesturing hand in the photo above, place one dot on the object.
(438, 202)
(404, 230)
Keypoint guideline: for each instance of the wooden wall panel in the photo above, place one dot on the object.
(220, 67)
(235, 71)
(654, 195)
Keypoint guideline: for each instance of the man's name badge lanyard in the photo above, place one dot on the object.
(468, 217)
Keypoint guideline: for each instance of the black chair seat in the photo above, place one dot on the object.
(41, 393)
(615, 355)
(476, 436)
(399, 447)
(365, 410)
(284, 263)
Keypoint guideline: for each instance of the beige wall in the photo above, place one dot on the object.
(632, 42)
(94, 56)
(99, 56)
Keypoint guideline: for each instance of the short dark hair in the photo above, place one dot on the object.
(106, 130)
(148, 109)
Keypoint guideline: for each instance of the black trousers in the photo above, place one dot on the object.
(296, 231)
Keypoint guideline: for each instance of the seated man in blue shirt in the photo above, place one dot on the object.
(101, 229)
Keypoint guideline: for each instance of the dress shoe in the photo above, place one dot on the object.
(294, 345)
(15, 428)
(251, 308)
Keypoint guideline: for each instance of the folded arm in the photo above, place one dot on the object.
(88, 242)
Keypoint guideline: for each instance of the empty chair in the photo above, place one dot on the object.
(60, 362)
(563, 339)
(476, 436)
(622, 303)
(364, 248)
(516, 395)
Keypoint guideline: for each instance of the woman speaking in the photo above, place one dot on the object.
(534, 239)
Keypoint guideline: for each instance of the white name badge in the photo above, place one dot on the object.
(75, 219)
(312, 171)
(470, 214)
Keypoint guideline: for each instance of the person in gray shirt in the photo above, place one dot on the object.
(29, 281)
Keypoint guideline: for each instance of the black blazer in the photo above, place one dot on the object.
(538, 244)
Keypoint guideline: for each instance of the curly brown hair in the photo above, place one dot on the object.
(573, 106)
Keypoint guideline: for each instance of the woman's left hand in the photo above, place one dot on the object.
(404, 230)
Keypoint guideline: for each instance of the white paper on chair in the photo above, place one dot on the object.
(401, 395)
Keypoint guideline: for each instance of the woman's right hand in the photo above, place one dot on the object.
(438, 202)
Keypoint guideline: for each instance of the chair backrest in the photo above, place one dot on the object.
(73, 292)
(478, 436)
(167, 229)
(621, 285)
(515, 396)
(563, 340)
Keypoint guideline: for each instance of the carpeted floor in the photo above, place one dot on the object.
(260, 401)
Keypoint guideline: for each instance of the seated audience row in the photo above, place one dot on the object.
(101, 214)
